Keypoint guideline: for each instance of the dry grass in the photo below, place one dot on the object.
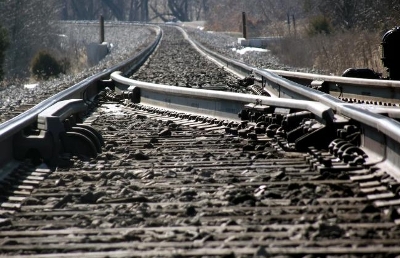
(79, 59)
(333, 53)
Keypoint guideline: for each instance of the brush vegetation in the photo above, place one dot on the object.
(326, 35)
(44, 66)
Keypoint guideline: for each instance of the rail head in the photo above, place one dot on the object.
(319, 110)
(370, 90)
(337, 79)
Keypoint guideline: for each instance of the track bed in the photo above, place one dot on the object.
(167, 186)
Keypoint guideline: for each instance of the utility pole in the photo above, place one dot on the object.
(244, 21)
(294, 25)
(101, 29)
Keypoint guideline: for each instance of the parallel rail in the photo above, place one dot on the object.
(166, 182)
(378, 130)
(381, 134)
(379, 90)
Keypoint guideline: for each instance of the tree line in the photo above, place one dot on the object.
(134, 10)
(264, 16)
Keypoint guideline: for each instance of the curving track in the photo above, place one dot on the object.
(174, 183)
(175, 63)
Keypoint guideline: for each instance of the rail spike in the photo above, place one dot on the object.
(58, 132)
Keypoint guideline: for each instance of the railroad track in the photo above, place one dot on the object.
(168, 186)
(16, 99)
(161, 170)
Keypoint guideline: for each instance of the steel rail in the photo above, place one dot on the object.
(85, 89)
(281, 86)
(381, 134)
(285, 88)
(212, 102)
(293, 89)
(387, 90)
(381, 131)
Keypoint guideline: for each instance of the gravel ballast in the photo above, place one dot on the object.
(176, 63)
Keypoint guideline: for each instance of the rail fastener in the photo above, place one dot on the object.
(58, 132)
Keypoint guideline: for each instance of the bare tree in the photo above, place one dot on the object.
(132, 10)
(4, 44)
(135, 10)
(139, 10)
(179, 9)
(80, 10)
(364, 14)
(115, 7)
(198, 9)
(144, 7)
(183, 10)
(262, 15)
